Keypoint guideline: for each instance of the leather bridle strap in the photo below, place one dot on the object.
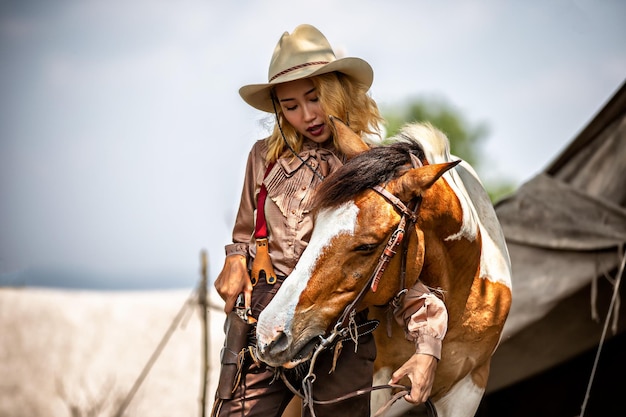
(409, 217)
(396, 202)
(390, 250)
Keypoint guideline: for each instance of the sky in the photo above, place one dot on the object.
(123, 139)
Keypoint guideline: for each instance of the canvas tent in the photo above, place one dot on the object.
(566, 233)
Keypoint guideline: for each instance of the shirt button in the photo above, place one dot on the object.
(303, 188)
(293, 212)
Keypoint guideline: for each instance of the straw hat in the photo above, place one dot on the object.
(301, 54)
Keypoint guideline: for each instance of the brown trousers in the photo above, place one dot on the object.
(259, 394)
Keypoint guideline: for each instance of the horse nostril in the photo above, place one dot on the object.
(261, 348)
(277, 343)
(281, 342)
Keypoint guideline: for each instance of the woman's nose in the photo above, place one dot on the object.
(308, 114)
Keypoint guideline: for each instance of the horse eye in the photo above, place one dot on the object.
(366, 248)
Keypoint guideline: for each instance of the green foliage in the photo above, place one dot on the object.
(500, 189)
(465, 138)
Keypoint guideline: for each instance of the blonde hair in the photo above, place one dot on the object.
(340, 96)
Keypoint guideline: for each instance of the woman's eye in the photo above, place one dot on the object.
(290, 108)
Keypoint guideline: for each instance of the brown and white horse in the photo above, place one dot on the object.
(454, 244)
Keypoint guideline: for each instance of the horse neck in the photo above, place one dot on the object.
(436, 255)
(450, 261)
(451, 266)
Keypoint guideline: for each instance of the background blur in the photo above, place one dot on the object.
(123, 138)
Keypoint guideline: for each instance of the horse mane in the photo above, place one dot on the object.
(378, 165)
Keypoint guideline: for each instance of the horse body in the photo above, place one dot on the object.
(455, 247)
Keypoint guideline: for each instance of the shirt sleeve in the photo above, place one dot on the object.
(243, 230)
(425, 319)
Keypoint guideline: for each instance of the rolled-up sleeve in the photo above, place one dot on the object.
(236, 249)
(425, 319)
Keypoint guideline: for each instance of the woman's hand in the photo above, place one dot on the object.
(234, 280)
(420, 368)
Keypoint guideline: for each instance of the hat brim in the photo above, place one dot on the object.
(258, 95)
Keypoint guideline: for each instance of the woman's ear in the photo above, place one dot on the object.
(350, 144)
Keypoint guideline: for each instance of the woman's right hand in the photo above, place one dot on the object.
(234, 280)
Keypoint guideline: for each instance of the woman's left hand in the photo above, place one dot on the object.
(420, 368)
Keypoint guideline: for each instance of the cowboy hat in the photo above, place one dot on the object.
(301, 54)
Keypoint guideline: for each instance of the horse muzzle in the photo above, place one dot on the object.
(280, 349)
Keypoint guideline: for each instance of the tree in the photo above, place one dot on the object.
(465, 138)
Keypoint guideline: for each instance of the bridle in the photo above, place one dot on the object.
(346, 326)
(408, 219)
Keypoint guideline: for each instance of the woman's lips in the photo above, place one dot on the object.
(316, 130)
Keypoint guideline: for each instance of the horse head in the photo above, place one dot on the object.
(353, 225)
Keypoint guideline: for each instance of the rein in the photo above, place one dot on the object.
(340, 330)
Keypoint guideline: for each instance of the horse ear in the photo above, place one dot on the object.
(350, 144)
(418, 180)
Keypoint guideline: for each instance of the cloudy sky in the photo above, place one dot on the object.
(123, 138)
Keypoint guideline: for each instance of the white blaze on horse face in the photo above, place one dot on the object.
(277, 317)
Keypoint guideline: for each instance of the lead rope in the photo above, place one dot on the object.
(309, 379)
(307, 383)
(604, 330)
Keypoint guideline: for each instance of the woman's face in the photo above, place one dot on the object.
(300, 104)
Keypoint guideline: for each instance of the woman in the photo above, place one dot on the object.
(306, 85)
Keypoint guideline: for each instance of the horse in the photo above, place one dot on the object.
(453, 243)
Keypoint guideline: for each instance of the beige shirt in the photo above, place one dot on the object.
(290, 185)
(290, 189)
